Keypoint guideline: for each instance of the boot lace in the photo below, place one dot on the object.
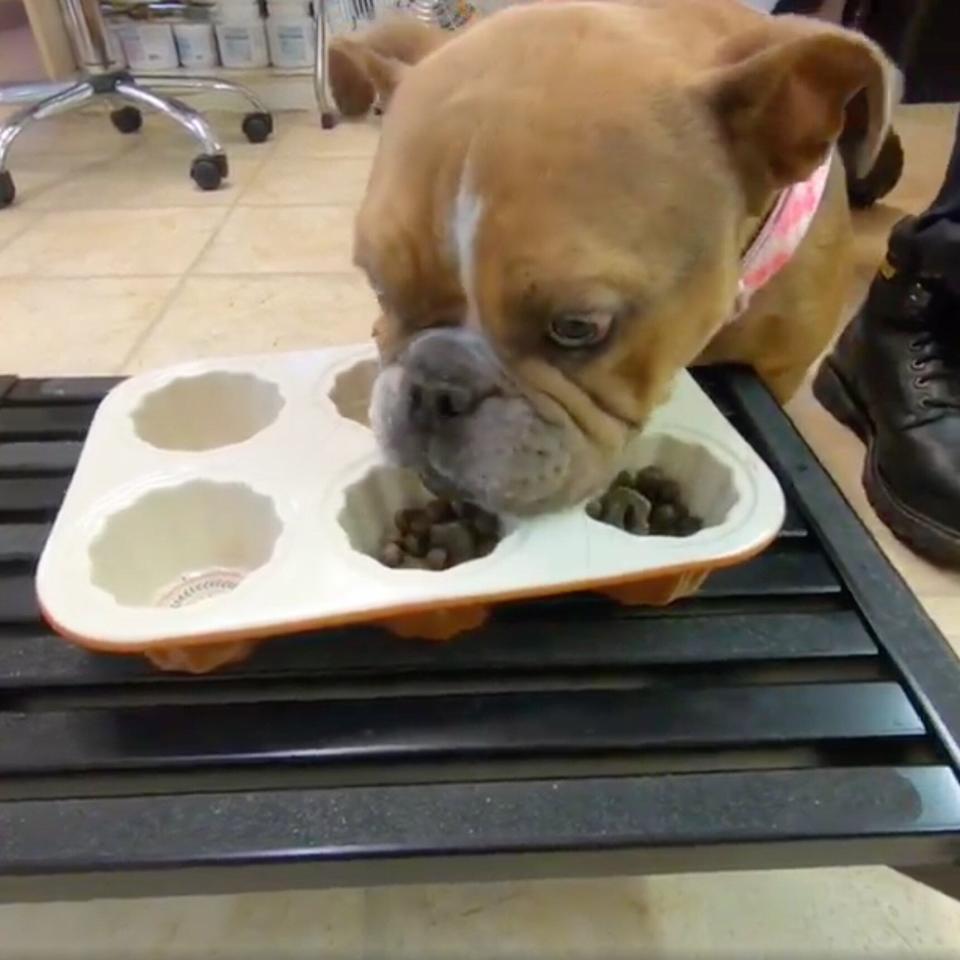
(936, 363)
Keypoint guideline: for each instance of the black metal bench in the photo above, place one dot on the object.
(801, 710)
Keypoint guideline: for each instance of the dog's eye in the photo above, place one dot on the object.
(579, 329)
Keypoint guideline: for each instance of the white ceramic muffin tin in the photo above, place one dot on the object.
(221, 502)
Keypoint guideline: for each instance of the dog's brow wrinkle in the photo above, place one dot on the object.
(467, 210)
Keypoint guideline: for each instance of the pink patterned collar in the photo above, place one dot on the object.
(781, 234)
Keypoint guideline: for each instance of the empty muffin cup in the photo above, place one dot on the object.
(352, 389)
(207, 411)
(185, 544)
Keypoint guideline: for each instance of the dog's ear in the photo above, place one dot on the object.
(368, 66)
(359, 76)
(786, 92)
(353, 90)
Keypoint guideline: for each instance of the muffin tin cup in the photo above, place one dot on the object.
(219, 503)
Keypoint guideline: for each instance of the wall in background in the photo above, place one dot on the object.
(19, 57)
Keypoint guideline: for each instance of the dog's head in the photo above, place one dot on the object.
(555, 219)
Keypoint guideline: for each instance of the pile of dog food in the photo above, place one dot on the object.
(646, 503)
(443, 534)
(446, 533)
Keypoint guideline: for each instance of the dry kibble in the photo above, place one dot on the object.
(392, 554)
(485, 524)
(415, 545)
(486, 546)
(649, 481)
(419, 524)
(439, 511)
(466, 511)
(627, 509)
(454, 537)
(644, 503)
(663, 518)
(670, 492)
(441, 534)
(689, 525)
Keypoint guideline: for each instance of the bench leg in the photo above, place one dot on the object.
(945, 879)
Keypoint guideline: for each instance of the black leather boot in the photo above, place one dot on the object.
(894, 378)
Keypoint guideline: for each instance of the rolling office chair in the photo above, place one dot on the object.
(101, 76)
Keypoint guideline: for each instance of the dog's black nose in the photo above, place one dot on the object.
(432, 403)
(449, 372)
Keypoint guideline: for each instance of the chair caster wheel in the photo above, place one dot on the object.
(328, 120)
(7, 190)
(209, 171)
(127, 119)
(257, 127)
(887, 169)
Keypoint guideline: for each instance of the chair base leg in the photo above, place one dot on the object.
(129, 95)
(65, 98)
(945, 879)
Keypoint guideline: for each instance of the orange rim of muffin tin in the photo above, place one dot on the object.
(427, 621)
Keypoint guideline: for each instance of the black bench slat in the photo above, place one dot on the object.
(776, 571)
(530, 723)
(56, 390)
(31, 495)
(38, 456)
(382, 834)
(6, 384)
(576, 687)
(928, 664)
(18, 599)
(794, 526)
(62, 422)
(32, 658)
(22, 542)
(780, 571)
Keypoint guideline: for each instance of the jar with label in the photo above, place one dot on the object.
(195, 37)
(241, 34)
(292, 33)
(116, 58)
(148, 46)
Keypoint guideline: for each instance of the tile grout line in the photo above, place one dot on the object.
(145, 335)
(105, 205)
(29, 225)
(150, 326)
(124, 154)
(264, 155)
(228, 212)
(86, 167)
(147, 332)
(222, 275)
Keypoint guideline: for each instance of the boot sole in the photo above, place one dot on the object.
(927, 537)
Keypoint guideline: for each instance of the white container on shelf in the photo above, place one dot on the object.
(196, 44)
(291, 31)
(148, 46)
(117, 58)
(241, 34)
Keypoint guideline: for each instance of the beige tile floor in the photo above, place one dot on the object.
(113, 263)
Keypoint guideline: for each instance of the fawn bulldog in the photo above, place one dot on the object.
(571, 201)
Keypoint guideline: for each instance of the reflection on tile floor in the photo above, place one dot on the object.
(114, 262)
